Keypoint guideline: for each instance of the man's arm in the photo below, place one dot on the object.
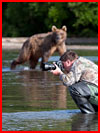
(67, 79)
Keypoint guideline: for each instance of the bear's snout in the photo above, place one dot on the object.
(57, 37)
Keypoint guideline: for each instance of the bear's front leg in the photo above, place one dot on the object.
(45, 58)
(33, 62)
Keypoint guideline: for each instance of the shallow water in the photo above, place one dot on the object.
(33, 100)
(61, 120)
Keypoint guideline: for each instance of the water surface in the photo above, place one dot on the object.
(33, 100)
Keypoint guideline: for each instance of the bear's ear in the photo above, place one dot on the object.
(54, 28)
(64, 28)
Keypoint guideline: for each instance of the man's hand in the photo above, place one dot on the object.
(57, 71)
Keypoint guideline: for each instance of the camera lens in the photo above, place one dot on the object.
(46, 67)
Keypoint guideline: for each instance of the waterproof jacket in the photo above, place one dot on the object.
(82, 69)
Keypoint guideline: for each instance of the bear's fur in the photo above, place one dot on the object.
(42, 45)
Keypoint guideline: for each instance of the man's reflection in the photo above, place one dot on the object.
(85, 122)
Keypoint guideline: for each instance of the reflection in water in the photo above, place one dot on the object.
(36, 89)
(43, 89)
(85, 122)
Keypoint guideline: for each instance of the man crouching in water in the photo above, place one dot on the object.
(82, 80)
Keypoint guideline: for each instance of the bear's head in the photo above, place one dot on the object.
(59, 35)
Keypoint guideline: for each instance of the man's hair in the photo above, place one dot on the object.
(69, 55)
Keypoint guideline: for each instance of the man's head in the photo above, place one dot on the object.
(68, 59)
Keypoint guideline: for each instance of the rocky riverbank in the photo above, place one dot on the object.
(16, 43)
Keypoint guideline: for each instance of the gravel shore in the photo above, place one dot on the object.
(16, 43)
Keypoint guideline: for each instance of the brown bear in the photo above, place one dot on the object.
(42, 45)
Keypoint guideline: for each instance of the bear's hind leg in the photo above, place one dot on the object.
(23, 57)
(16, 62)
(20, 60)
(13, 64)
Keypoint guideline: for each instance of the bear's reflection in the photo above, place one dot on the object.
(43, 90)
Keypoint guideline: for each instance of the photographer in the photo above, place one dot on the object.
(81, 77)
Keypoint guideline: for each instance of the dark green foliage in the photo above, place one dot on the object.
(28, 18)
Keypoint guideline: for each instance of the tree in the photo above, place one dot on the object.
(28, 18)
(86, 15)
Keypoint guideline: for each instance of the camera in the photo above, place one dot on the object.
(46, 66)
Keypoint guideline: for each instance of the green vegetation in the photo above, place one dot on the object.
(28, 18)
